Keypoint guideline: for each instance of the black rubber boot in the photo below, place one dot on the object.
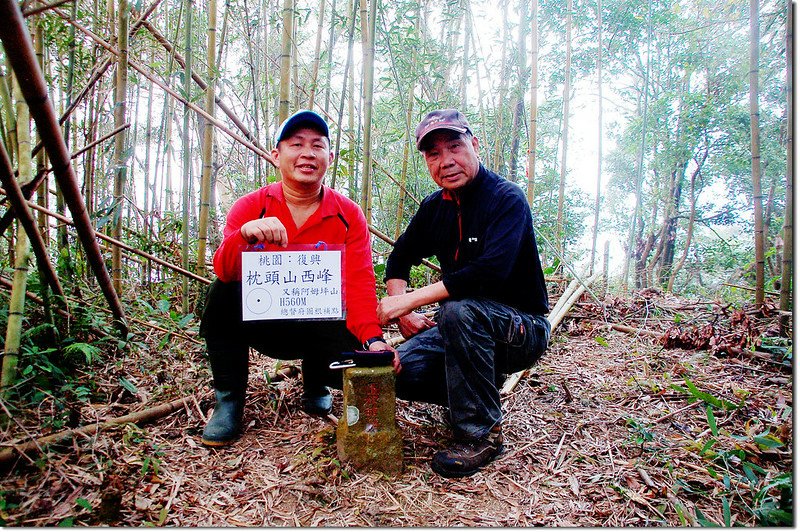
(317, 398)
(229, 367)
(228, 353)
(225, 425)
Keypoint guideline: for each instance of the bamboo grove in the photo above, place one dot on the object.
(660, 131)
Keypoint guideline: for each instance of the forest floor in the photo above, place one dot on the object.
(611, 428)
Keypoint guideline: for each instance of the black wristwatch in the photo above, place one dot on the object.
(369, 341)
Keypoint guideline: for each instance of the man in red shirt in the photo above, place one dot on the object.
(298, 209)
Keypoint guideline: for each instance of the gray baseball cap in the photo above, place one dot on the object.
(451, 119)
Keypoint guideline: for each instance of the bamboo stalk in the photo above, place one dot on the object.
(556, 318)
(45, 7)
(187, 155)
(143, 71)
(16, 305)
(368, 70)
(345, 77)
(317, 48)
(201, 83)
(123, 245)
(29, 188)
(208, 141)
(23, 61)
(39, 301)
(99, 70)
(27, 221)
(564, 296)
(286, 49)
(120, 156)
(787, 257)
(750, 289)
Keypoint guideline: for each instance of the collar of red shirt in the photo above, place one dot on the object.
(328, 207)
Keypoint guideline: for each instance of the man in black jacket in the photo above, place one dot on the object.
(493, 301)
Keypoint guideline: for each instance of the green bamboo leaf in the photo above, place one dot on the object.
(726, 512)
(712, 421)
(128, 385)
(162, 515)
(768, 442)
(748, 471)
(184, 321)
(83, 503)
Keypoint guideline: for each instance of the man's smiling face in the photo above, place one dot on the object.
(304, 157)
(452, 158)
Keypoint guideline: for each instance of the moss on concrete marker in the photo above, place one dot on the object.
(367, 436)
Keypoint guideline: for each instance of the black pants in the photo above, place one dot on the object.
(228, 338)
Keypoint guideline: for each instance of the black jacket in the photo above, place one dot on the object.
(484, 241)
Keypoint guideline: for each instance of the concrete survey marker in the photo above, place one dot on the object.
(367, 435)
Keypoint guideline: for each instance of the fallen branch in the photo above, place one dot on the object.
(150, 414)
(750, 289)
(16, 450)
(626, 329)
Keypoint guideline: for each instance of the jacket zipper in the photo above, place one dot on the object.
(460, 233)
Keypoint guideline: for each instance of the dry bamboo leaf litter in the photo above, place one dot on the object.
(610, 418)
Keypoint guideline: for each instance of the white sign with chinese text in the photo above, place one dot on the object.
(300, 285)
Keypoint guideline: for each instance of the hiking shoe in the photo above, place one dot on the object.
(319, 403)
(465, 457)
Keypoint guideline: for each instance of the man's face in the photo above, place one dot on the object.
(452, 158)
(304, 157)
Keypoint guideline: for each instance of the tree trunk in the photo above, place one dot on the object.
(187, 159)
(788, 217)
(596, 224)
(637, 210)
(534, 100)
(755, 146)
(120, 158)
(208, 140)
(286, 58)
(689, 228)
(369, 73)
(565, 134)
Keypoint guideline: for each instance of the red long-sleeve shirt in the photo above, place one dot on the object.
(338, 220)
